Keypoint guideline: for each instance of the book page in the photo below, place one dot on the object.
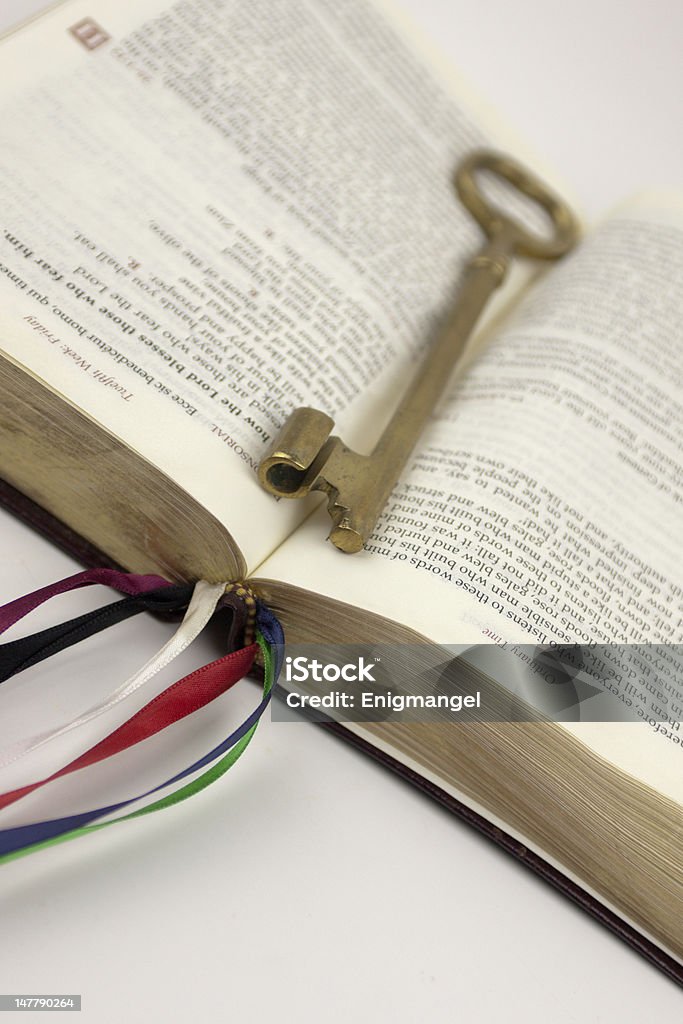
(221, 212)
(545, 502)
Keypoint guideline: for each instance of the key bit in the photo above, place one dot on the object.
(305, 458)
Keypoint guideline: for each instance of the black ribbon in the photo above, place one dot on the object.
(17, 655)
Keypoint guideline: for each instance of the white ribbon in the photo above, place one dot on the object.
(205, 597)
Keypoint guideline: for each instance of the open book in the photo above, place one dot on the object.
(214, 213)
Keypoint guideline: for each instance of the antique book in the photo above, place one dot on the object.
(214, 213)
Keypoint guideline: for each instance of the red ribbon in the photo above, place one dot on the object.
(184, 697)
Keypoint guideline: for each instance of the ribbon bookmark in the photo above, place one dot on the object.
(181, 699)
(17, 842)
(202, 606)
(17, 655)
(124, 582)
(176, 702)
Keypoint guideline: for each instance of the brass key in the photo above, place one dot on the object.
(305, 458)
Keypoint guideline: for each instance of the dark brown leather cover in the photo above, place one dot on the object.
(89, 556)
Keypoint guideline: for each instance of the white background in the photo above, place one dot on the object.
(309, 884)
